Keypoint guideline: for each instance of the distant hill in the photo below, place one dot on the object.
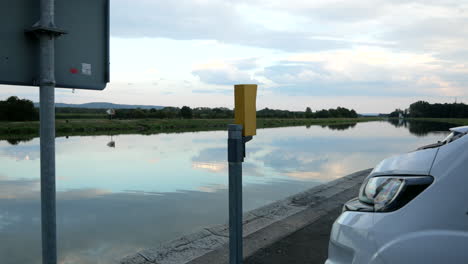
(103, 105)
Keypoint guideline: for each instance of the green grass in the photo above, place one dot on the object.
(73, 127)
(80, 116)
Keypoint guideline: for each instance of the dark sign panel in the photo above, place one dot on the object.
(81, 55)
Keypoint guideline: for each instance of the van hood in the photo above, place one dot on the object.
(414, 163)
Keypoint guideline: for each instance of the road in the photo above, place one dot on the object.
(306, 246)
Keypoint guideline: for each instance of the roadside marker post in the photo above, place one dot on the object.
(78, 60)
(238, 135)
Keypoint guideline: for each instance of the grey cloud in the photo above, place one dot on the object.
(436, 77)
(445, 3)
(216, 91)
(347, 11)
(173, 19)
(219, 20)
(286, 72)
(459, 55)
(229, 73)
(396, 25)
(222, 76)
(314, 79)
(358, 11)
(246, 64)
(341, 21)
(430, 33)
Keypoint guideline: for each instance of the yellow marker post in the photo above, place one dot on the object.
(245, 111)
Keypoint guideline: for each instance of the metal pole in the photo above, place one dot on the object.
(47, 134)
(235, 158)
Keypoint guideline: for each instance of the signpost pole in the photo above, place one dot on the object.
(245, 96)
(92, 59)
(235, 158)
(47, 133)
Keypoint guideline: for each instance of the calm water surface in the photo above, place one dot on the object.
(114, 201)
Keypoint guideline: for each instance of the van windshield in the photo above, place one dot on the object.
(450, 138)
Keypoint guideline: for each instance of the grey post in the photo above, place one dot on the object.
(235, 158)
(47, 133)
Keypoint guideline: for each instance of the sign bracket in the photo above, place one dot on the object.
(51, 31)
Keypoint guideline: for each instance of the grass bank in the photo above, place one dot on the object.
(154, 126)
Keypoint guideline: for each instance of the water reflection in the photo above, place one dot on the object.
(111, 143)
(336, 126)
(116, 201)
(97, 226)
(340, 126)
(21, 152)
(421, 128)
(16, 141)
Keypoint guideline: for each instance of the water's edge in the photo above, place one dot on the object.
(261, 227)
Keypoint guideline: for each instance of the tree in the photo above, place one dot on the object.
(186, 112)
(15, 109)
(137, 113)
(425, 109)
(396, 113)
(420, 109)
(322, 114)
(308, 112)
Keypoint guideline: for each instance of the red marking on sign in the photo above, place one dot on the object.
(73, 70)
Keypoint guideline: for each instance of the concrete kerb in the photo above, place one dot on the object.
(261, 227)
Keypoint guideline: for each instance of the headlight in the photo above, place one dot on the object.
(389, 193)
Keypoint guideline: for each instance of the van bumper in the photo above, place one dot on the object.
(351, 239)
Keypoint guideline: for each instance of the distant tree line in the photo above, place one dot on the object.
(213, 113)
(15, 109)
(175, 112)
(425, 109)
(308, 113)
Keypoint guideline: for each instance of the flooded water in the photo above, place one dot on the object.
(117, 195)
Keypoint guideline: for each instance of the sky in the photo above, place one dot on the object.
(369, 55)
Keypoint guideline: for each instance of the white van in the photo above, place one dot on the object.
(412, 208)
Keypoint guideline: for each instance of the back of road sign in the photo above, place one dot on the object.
(245, 112)
(81, 55)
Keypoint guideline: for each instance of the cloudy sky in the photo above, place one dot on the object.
(370, 55)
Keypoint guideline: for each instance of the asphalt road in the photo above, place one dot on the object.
(306, 246)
